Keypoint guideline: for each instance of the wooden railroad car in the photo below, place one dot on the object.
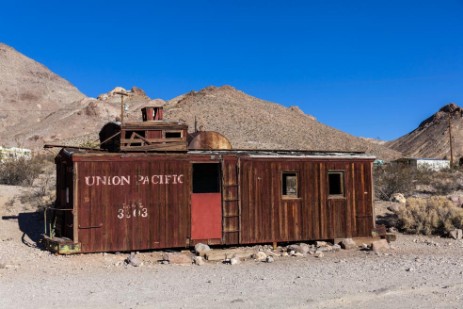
(139, 201)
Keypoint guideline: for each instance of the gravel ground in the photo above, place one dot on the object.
(417, 272)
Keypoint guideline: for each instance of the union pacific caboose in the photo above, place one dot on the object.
(152, 185)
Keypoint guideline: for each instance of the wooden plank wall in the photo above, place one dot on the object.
(112, 218)
(267, 216)
(254, 210)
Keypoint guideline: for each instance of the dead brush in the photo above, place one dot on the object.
(37, 175)
(22, 171)
(392, 179)
(19, 172)
(434, 215)
(43, 193)
(447, 181)
(395, 178)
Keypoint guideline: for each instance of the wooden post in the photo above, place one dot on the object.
(450, 137)
(122, 109)
(122, 94)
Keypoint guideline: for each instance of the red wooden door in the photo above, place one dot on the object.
(206, 202)
(206, 216)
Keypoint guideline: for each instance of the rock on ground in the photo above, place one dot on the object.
(380, 245)
(202, 249)
(260, 256)
(398, 198)
(348, 244)
(198, 260)
(133, 260)
(456, 234)
(235, 261)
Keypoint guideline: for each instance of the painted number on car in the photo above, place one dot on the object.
(132, 210)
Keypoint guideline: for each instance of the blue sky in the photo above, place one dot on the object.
(370, 68)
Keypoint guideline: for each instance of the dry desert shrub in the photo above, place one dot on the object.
(434, 215)
(20, 172)
(392, 179)
(447, 181)
(408, 180)
(37, 174)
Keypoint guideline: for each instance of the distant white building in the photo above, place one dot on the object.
(431, 164)
(14, 153)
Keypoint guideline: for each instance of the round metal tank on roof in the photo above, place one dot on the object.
(208, 140)
(109, 136)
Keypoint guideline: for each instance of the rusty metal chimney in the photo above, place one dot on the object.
(151, 113)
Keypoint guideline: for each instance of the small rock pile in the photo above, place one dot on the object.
(203, 254)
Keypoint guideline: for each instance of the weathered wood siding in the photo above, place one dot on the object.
(268, 216)
(147, 213)
(143, 214)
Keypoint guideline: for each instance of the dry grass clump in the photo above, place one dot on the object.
(434, 215)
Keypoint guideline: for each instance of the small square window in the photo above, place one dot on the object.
(173, 134)
(336, 183)
(289, 184)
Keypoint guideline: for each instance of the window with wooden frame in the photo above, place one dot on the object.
(289, 185)
(173, 134)
(336, 184)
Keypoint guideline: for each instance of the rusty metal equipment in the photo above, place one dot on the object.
(208, 140)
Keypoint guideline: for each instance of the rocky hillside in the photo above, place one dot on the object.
(251, 123)
(431, 138)
(37, 106)
(28, 93)
(79, 123)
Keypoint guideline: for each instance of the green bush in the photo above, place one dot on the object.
(434, 215)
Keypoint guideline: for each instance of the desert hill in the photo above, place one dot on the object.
(431, 138)
(251, 123)
(40, 107)
(28, 93)
(80, 122)
(37, 106)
